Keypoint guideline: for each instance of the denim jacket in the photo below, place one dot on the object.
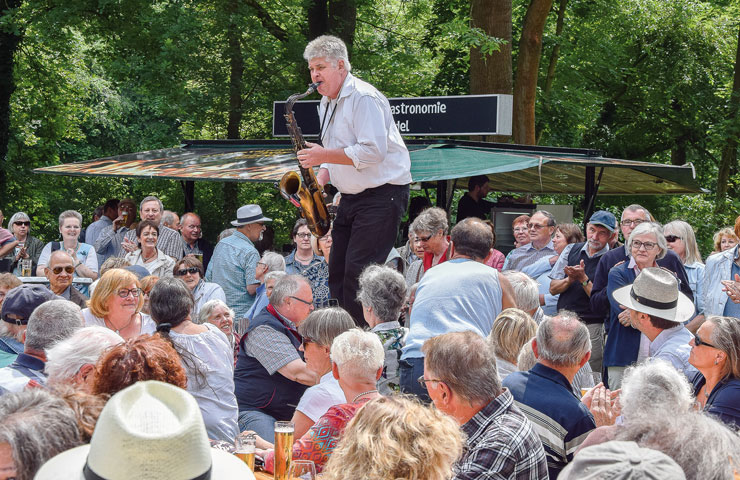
(718, 268)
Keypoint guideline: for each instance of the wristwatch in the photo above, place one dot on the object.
(585, 282)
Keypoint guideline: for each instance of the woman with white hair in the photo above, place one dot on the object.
(357, 363)
(681, 239)
(28, 245)
(73, 359)
(84, 256)
(625, 345)
(270, 262)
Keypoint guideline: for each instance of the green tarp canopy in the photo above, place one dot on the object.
(511, 168)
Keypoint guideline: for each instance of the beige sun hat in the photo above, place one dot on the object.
(655, 292)
(150, 430)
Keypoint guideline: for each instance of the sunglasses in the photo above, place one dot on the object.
(699, 342)
(672, 238)
(24, 224)
(301, 300)
(69, 269)
(306, 340)
(183, 271)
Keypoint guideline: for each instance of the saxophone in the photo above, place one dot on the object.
(304, 190)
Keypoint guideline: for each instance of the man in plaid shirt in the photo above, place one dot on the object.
(461, 377)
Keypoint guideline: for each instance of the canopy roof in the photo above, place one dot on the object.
(511, 168)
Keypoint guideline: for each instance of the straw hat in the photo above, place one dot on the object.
(249, 214)
(150, 430)
(655, 292)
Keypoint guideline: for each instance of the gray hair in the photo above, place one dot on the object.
(526, 359)
(525, 288)
(113, 262)
(285, 287)
(324, 325)
(69, 214)
(151, 198)
(726, 337)
(84, 347)
(466, 362)
(551, 221)
(52, 322)
(330, 47)
(358, 354)
(18, 217)
(647, 228)
(473, 238)
(170, 301)
(430, 220)
(563, 340)
(277, 275)
(168, 217)
(225, 233)
(637, 208)
(653, 388)
(684, 230)
(383, 289)
(37, 425)
(703, 446)
(274, 261)
(207, 309)
(511, 330)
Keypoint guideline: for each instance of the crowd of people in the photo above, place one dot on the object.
(148, 350)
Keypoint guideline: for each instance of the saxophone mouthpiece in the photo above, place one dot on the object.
(312, 87)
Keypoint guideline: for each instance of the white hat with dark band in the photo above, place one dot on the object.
(249, 214)
(655, 292)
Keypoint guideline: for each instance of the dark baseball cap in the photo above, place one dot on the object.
(604, 219)
(23, 300)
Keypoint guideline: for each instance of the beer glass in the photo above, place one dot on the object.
(303, 469)
(283, 449)
(245, 446)
(26, 265)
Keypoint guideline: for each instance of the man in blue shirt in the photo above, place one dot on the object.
(562, 346)
(234, 262)
(658, 309)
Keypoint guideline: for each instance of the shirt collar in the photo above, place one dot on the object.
(28, 361)
(601, 252)
(530, 246)
(495, 408)
(327, 377)
(663, 337)
(551, 374)
(382, 327)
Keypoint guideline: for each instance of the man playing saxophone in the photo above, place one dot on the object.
(364, 157)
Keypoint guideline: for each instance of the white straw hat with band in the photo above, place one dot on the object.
(655, 292)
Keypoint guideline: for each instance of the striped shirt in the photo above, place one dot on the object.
(501, 444)
(559, 418)
(527, 255)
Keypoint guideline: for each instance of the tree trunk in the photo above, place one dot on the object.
(317, 18)
(492, 74)
(343, 21)
(555, 54)
(728, 162)
(9, 42)
(527, 69)
(236, 65)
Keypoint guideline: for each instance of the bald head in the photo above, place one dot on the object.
(472, 238)
(563, 340)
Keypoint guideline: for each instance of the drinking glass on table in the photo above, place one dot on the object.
(283, 449)
(303, 469)
(245, 446)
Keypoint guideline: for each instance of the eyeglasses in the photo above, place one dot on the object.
(629, 223)
(636, 244)
(301, 300)
(69, 269)
(303, 235)
(424, 239)
(423, 382)
(306, 340)
(672, 238)
(125, 292)
(24, 224)
(183, 271)
(699, 342)
(521, 229)
(536, 226)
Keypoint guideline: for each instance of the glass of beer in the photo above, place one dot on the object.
(245, 447)
(283, 449)
(26, 264)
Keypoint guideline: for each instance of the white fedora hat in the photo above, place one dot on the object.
(150, 430)
(249, 214)
(655, 292)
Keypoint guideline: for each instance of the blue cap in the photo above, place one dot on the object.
(605, 219)
(23, 300)
(138, 270)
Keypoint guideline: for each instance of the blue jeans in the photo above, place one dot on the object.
(410, 370)
(261, 423)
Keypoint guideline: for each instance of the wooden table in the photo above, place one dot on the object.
(260, 475)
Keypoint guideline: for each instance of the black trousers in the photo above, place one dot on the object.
(363, 233)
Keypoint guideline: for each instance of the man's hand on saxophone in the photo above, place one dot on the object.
(315, 155)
